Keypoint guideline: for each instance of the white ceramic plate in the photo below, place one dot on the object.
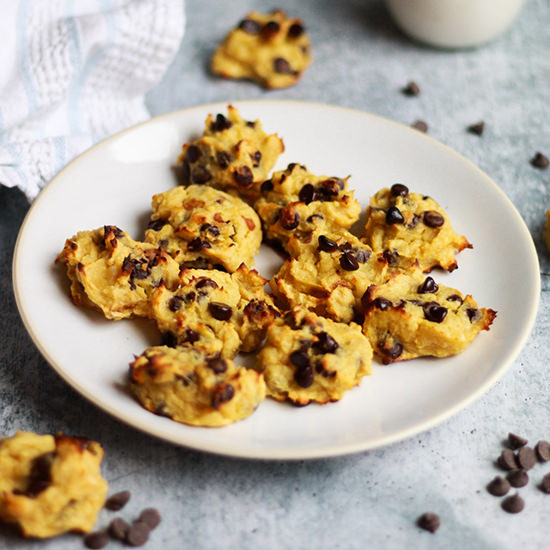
(113, 182)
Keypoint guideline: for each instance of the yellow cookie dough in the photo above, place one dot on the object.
(200, 226)
(412, 228)
(271, 49)
(188, 386)
(115, 274)
(308, 358)
(50, 484)
(232, 154)
(295, 202)
(412, 316)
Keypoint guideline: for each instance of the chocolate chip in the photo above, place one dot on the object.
(205, 282)
(307, 193)
(222, 394)
(399, 190)
(518, 478)
(295, 30)
(156, 225)
(118, 500)
(200, 175)
(516, 441)
(198, 244)
(211, 229)
(325, 343)
(473, 314)
(420, 125)
(454, 298)
(266, 186)
(174, 304)
(270, 29)
(221, 123)
(256, 158)
(289, 219)
(348, 262)
(138, 534)
(192, 154)
(540, 160)
(391, 256)
(345, 247)
(507, 460)
(97, 539)
(217, 364)
(513, 504)
(415, 220)
(362, 256)
(433, 219)
(243, 176)
(282, 66)
(429, 286)
(498, 487)
(434, 312)
(545, 484)
(221, 312)
(477, 128)
(40, 475)
(304, 376)
(326, 244)
(411, 89)
(118, 528)
(188, 335)
(299, 358)
(542, 448)
(151, 517)
(381, 303)
(250, 26)
(526, 458)
(394, 216)
(224, 159)
(392, 352)
(429, 522)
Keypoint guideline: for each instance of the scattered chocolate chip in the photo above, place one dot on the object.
(174, 304)
(188, 335)
(429, 522)
(507, 460)
(381, 303)
(250, 26)
(221, 123)
(477, 128)
(325, 343)
(221, 312)
(198, 244)
(393, 216)
(434, 312)
(411, 89)
(96, 539)
(513, 504)
(295, 30)
(433, 219)
(289, 219)
(299, 358)
(526, 458)
(429, 286)
(156, 225)
(542, 448)
(266, 186)
(326, 244)
(516, 441)
(205, 282)
(420, 125)
(454, 298)
(222, 394)
(224, 159)
(118, 528)
(498, 487)
(243, 176)
(348, 262)
(217, 364)
(118, 501)
(200, 175)
(545, 484)
(307, 193)
(518, 478)
(540, 160)
(362, 256)
(40, 474)
(399, 190)
(392, 352)
(473, 314)
(304, 376)
(151, 517)
(138, 534)
(192, 154)
(256, 158)
(270, 29)
(282, 66)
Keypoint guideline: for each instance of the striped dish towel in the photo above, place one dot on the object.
(73, 72)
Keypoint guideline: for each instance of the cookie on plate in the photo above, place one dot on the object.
(215, 312)
(50, 484)
(412, 316)
(295, 202)
(189, 386)
(329, 275)
(272, 49)
(307, 358)
(232, 154)
(412, 228)
(203, 227)
(111, 272)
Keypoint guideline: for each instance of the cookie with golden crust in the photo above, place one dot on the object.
(50, 484)
(412, 316)
(308, 358)
(189, 386)
(203, 227)
(215, 312)
(111, 272)
(294, 202)
(412, 228)
(329, 275)
(272, 49)
(233, 154)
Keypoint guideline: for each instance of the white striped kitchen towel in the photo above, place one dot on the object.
(73, 72)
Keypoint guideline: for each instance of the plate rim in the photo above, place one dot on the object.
(318, 451)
